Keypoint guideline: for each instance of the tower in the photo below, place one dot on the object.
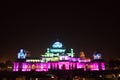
(21, 54)
(82, 55)
(97, 55)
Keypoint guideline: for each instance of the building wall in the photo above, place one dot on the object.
(63, 65)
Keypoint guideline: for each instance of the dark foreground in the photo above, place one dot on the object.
(61, 75)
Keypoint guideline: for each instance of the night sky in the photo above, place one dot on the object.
(35, 26)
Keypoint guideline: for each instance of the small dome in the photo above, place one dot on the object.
(57, 45)
(21, 54)
(97, 55)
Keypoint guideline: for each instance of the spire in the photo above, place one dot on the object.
(57, 40)
(57, 37)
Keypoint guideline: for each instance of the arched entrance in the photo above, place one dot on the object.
(64, 65)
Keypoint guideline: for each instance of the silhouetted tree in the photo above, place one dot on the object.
(2, 66)
(9, 63)
(114, 63)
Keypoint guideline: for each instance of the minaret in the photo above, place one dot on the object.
(97, 55)
(82, 55)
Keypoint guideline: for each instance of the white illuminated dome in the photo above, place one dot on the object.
(57, 45)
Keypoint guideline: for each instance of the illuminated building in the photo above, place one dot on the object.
(57, 53)
(21, 54)
(56, 58)
(97, 55)
(82, 55)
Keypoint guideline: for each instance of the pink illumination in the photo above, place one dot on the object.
(103, 66)
(57, 58)
(26, 66)
(79, 65)
(71, 64)
(63, 65)
(16, 66)
(95, 66)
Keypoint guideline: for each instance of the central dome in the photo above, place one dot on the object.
(57, 45)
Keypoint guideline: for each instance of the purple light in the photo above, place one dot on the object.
(103, 66)
(74, 63)
(16, 66)
(95, 66)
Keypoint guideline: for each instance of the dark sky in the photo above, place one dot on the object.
(34, 26)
